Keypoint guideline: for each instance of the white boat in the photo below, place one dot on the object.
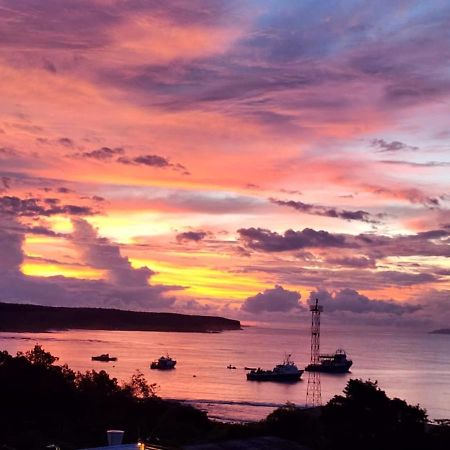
(334, 363)
(286, 371)
(163, 363)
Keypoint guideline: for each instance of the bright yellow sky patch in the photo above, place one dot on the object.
(44, 269)
(202, 281)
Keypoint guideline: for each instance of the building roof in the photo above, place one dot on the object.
(260, 443)
(115, 447)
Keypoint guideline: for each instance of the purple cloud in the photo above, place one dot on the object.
(36, 207)
(195, 236)
(274, 300)
(269, 241)
(395, 146)
(101, 154)
(373, 246)
(326, 211)
(352, 301)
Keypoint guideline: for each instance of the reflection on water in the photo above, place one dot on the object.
(410, 365)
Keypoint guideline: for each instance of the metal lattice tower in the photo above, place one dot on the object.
(313, 392)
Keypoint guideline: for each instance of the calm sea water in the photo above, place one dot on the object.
(414, 366)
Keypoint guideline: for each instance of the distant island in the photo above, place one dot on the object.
(441, 331)
(35, 318)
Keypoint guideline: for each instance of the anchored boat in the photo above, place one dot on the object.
(334, 363)
(104, 358)
(286, 371)
(163, 363)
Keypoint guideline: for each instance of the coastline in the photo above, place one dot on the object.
(27, 318)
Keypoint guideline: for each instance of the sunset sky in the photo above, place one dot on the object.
(227, 157)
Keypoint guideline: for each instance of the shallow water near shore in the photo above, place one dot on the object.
(411, 365)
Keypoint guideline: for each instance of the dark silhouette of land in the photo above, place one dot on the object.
(44, 404)
(34, 318)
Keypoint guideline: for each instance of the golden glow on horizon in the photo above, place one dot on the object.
(124, 228)
(202, 281)
(39, 269)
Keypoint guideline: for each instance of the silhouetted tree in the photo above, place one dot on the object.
(138, 386)
(43, 403)
(365, 417)
(39, 356)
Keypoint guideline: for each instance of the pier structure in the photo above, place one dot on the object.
(313, 391)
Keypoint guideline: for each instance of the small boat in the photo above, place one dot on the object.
(104, 358)
(231, 367)
(249, 368)
(286, 371)
(163, 363)
(334, 363)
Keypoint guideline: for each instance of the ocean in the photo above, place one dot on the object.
(411, 365)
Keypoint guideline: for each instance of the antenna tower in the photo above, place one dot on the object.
(313, 392)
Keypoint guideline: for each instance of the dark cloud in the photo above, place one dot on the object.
(36, 207)
(117, 154)
(66, 142)
(269, 241)
(394, 146)
(326, 211)
(352, 301)
(101, 154)
(64, 190)
(146, 160)
(273, 300)
(372, 246)
(42, 231)
(195, 236)
(361, 262)
(152, 161)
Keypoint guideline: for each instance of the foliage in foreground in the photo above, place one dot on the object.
(43, 403)
(364, 417)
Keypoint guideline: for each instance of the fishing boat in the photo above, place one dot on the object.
(104, 357)
(285, 371)
(332, 363)
(163, 363)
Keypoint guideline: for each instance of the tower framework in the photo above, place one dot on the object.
(313, 392)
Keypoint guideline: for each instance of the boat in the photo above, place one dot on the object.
(104, 358)
(230, 366)
(163, 363)
(332, 363)
(285, 371)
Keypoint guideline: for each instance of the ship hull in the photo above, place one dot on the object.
(163, 366)
(281, 378)
(102, 359)
(329, 368)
